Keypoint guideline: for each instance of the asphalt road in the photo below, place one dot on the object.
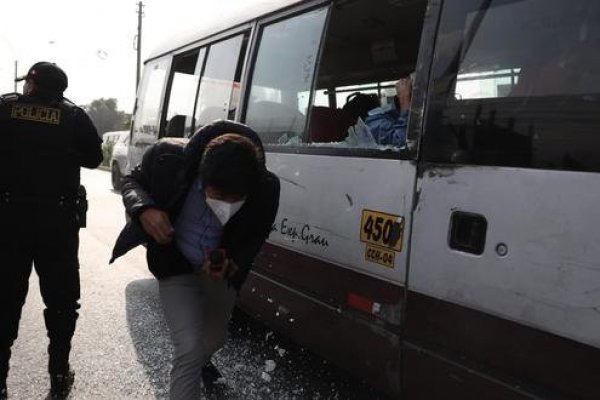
(121, 349)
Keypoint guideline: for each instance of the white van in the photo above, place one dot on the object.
(110, 138)
(463, 264)
(115, 148)
(119, 165)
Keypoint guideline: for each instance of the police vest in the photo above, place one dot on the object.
(37, 147)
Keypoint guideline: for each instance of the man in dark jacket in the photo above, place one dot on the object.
(204, 209)
(45, 140)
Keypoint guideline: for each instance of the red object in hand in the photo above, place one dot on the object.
(217, 259)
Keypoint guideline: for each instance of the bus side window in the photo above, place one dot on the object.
(283, 73)
(184, 86)
(367, 49)
(517, 84)
(146, 121)
(219, 92)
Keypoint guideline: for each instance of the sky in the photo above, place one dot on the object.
(92, 40)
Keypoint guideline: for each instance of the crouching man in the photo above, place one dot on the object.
(204, 209)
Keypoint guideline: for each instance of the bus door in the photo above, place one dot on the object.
(504, 277)
(332, 275)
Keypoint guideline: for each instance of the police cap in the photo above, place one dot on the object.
(47, 76)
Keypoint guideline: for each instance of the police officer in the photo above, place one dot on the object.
(44, 140)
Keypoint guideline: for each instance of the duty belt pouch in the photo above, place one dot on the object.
(82, 206)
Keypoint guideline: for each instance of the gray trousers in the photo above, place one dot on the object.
(197, 310)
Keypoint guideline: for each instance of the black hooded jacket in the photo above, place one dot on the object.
(163, 180)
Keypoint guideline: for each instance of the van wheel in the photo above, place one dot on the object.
(115, 175)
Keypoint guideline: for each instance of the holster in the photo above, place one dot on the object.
(82, 206)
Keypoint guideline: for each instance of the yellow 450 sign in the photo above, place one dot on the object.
(381, 229)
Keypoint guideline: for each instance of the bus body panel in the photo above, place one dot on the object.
(548, 278)
(445, 336)
(528, 305)
(321, 319)
(326, 201)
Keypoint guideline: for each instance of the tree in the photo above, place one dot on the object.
(106, 117)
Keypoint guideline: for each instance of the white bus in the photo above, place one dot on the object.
(464, 264)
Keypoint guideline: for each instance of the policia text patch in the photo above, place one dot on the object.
(37, 113)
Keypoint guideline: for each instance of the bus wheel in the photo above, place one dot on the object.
(115, 175)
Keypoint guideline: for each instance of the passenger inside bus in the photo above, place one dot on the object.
(366, 51)
(388, 123)
(176, 126)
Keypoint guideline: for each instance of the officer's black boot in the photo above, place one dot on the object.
(58, 359)
(61, 385)
(61, 375)
(61, 326)
(4, 358)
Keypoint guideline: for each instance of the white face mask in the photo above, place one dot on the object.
(224, 210)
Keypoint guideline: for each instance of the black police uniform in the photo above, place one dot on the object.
(43, 143)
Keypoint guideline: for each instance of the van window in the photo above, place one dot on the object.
(184, 86)
(219, 92)
(517, 83)
(282, 77)
(146, 122)
(367, 50)
(124, 138)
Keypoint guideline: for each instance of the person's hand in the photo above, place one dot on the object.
(156, 224)
(220, 271)
(404, 93)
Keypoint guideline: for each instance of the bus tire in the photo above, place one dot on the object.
(115, 176)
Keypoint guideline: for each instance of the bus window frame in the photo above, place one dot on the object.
(167, 91)
(416, 120)
(189, 48)
(437, 103)
(254, 46)
(161, 105)
(206, 50)
(208, 40)
(246, 35)
(422, 86)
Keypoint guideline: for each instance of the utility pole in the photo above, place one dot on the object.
(16, 74)
(138, 44)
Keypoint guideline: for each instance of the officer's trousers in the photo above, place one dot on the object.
(49, 242)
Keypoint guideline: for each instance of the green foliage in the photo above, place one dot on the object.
(107, 117)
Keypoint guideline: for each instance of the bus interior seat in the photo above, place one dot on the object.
(328, 124)
(175, 126)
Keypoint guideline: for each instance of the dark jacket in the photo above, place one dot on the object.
(163, 180)
(44, 142)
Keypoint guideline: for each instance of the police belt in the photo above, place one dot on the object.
(58, 200)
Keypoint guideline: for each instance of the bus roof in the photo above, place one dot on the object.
(246, 12)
